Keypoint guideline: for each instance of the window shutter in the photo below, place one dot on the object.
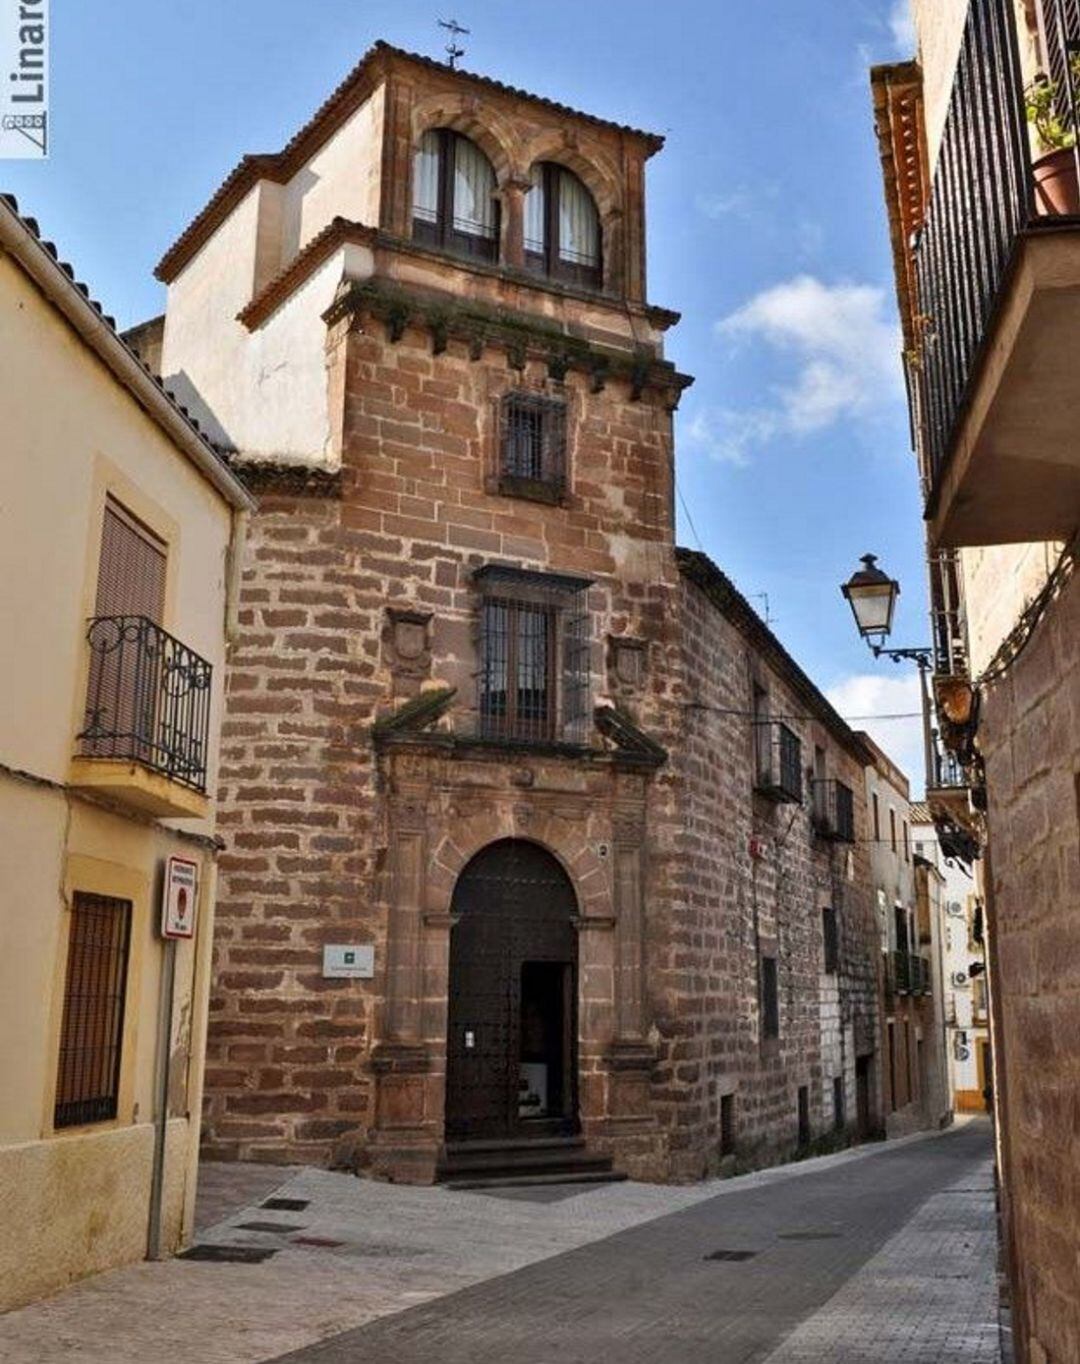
(131, 572)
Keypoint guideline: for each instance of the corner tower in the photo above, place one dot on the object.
(421, 328)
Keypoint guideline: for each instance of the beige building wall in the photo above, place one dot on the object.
(76, 1200)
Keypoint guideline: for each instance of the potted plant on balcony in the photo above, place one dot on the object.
(1057, 190)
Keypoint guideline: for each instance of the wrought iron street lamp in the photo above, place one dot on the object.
(872, 595)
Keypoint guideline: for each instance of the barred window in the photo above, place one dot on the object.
(533, 682)
(91, 1030)
(532, 446)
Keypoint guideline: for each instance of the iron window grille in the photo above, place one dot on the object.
(830, 933)
(779, 762)
(147, 701)
(91, 1029)
(534, 657)
(834, 810)
(532, 446)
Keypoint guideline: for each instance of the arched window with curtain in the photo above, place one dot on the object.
(454, 204)
(562, 227)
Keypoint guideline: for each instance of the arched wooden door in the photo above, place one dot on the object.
(511, 1053)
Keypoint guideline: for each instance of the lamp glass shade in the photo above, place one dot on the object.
(872, 596)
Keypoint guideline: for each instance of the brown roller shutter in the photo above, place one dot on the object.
(123, 685)
(131, 574)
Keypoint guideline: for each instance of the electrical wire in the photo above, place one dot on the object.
(768, 719)
(1019, 637)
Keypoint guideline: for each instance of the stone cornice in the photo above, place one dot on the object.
(447, 317)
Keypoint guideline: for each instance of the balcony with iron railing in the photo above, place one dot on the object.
(145, 734)
(906, 973)
(996, 314)
(778, 752)
(833, 811)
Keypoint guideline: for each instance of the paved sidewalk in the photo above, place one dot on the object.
(939, 1270)
(669, 1292)
(359, 1251)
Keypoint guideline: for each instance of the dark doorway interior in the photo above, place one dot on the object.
(511, 1064)
(864, 1113)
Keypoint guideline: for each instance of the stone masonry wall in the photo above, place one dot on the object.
(305, 810)
(753, 873)
(1030, 738)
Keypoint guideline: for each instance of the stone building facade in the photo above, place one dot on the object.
(485, 723)
(965, 994)
(1000, 464)
(906, 895)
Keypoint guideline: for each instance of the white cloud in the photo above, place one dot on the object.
(727, 435)
(902, 28)
(737, 203)
(878, 695)
(845, 348)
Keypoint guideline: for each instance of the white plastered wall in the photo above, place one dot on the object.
(264, 392)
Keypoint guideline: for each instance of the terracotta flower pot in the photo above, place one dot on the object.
(1056, 188)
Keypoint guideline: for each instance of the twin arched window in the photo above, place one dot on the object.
(455, 209)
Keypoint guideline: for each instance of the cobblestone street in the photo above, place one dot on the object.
(886, 1253)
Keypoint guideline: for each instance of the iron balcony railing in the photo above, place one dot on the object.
(779, 762)
(147, 700)
(907, 973)
(834, 810)
(948, 772)
(982, 199)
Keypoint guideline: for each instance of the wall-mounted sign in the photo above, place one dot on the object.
(348, 961)
(178, 898)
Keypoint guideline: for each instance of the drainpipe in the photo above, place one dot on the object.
(161, 1097)
(234, 569)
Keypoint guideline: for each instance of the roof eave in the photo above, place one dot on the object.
(19, 238)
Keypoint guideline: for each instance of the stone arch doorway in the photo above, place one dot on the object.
(511, 1053)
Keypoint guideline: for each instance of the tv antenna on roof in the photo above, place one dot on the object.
(456, 31)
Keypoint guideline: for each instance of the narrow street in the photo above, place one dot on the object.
(882, 1254)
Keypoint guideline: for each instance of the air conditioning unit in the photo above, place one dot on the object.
(963, 1054)
(955, 909)
(959, 978)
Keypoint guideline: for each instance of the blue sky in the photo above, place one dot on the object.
(766, 230)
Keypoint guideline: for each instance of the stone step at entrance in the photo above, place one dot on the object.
(543, 1160)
